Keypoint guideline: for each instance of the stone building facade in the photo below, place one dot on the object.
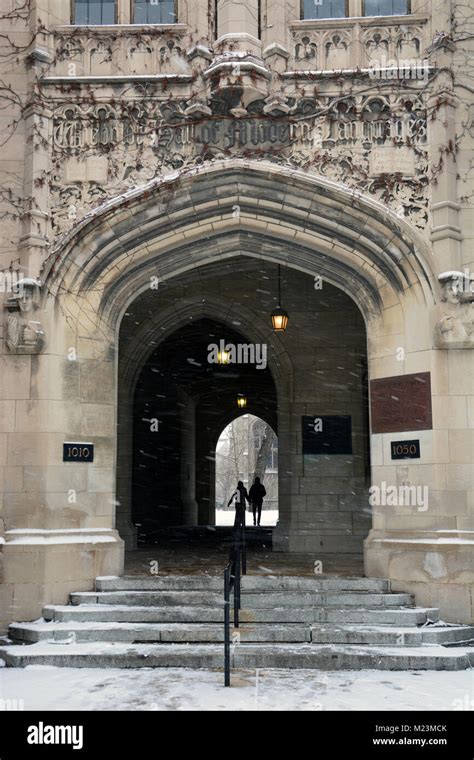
(164, 166)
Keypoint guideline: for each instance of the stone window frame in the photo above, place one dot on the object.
(307, 18)
(124, 15)
(408, 12)
(166, 23)
(73, 15)
(356, 9)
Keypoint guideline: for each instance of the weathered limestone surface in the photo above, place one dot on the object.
(203, 143)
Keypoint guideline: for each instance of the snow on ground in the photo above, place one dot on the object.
(48, 688)
(227, 517)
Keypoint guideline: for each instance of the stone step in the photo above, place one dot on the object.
(251, 632)
(249, 599)
(392, 635)
(157, 632)
(260, 583)
(194, 614)
(336, 657)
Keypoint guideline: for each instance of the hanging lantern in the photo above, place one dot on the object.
(279, 319)
(279, 316)
(241, 401)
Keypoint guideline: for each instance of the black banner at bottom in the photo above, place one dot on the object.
(91, 734)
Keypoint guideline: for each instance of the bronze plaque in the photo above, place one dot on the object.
(401, 403)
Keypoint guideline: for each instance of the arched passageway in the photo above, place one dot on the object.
(247, 448)
(173, 409)
(193, 233)
(180, 399)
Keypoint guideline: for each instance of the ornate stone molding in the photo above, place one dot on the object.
(455, 328)
(24, 335)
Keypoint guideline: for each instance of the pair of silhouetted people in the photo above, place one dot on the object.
(254, 497)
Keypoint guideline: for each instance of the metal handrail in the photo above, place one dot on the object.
(235, 568)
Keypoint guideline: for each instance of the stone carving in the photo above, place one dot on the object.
(141, 55)
(392, 43)
(455, 329)
(104, 129)
(409, 43)
(169, 51)
(306, 50)
(336, 49)
(24, 335)
(68, 129)
(96, 54)
(377, 44)
(101, 56)
(137, 141)
(392, 160)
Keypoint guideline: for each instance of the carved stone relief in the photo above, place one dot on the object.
(455, 328)
(24, 335)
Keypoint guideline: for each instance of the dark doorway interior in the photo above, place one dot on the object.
(180, 364)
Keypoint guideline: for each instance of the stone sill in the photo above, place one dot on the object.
(119, 79)
(332, 73)
(328, 23)
(157, 29)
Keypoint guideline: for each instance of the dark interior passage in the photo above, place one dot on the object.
(177, 382)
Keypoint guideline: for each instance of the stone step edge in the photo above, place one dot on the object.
(337, 582)
(211, 655)
(47, 625)
(245, 592)
(110, 647)
(77, 608)
(219, 576)
(391, 600)
(17, 631)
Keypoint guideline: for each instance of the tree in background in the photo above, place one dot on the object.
(247, 448)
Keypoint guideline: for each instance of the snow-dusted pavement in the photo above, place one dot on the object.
(227, 517)
(46, 688)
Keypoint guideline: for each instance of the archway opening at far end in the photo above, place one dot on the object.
(247, 449)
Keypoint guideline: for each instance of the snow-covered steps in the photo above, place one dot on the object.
(68, 632)
(286, 622)
(209, 656)
(260, 583)
(156, 632)
(189, 614)
(390, 636)
(253, 599)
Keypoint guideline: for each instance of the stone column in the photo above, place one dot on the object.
(274, 32)
(446, 232)
(59, 515)
(123, 513)
(188, 458)
(195, 13)
(38, 134)
(237, 17)
(124, 12)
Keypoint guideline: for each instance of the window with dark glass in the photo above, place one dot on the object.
(386, 7)
(324, 9)
(94, 12)
(154, 12)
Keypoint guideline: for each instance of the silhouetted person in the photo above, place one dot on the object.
(239, 495)
(257, 494)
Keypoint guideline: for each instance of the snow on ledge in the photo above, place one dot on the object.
(30, 536)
